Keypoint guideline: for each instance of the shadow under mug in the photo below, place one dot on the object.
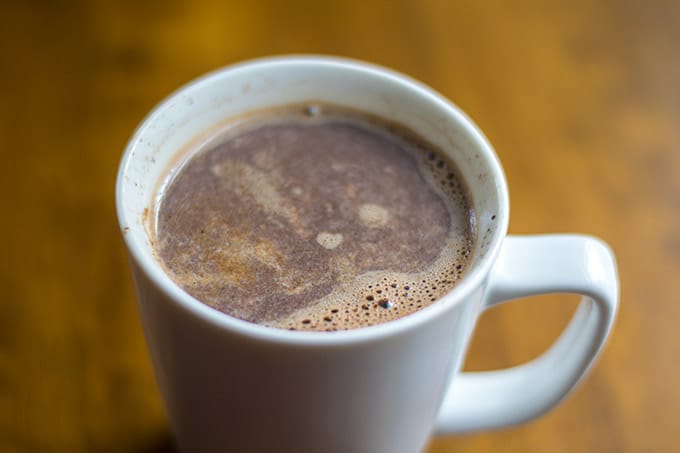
(229, 385)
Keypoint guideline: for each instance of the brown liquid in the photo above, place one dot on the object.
(315, 219)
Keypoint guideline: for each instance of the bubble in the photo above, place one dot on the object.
(312, 110)
(384, 303)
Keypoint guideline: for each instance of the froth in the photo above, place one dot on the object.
(373, 215)
(378, 297)
(329, 240)
(316, 218)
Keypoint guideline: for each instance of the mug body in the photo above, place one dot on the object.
(229, 385)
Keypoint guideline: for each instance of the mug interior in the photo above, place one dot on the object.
(191, 113)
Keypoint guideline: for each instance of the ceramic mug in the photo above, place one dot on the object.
(229, 385)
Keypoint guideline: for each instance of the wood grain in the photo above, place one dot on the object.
(580, 99)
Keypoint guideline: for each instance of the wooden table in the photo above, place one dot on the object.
(580, 99)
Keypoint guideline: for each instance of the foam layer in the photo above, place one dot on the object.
(315, 218)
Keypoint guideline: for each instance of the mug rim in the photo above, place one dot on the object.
(472, 278)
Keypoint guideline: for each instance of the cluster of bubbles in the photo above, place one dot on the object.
(383, 299)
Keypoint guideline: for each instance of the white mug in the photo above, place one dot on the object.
(229, 385)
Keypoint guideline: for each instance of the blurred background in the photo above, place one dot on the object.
(581, 100)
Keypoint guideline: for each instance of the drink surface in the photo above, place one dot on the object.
(315, 218)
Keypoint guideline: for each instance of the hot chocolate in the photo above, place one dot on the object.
(315, 218)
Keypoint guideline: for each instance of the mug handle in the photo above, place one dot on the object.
(526, 266)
